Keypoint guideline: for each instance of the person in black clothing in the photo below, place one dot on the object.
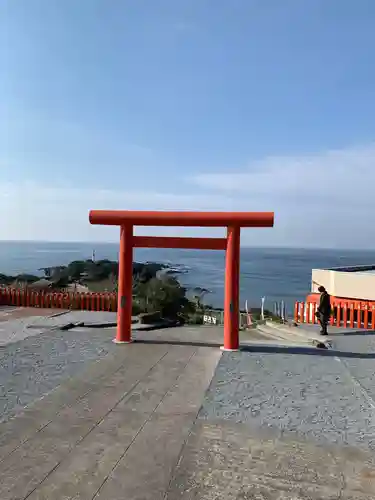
(324, 310)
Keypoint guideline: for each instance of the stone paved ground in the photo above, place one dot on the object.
(14, 322)
(279, 426)
(19, 323)
(9, 312)
(136, 421)
(356, 351)
(223, 460)
(311, 396)
(35, 366)
(113, 432)
(46, 357)
(282, 426)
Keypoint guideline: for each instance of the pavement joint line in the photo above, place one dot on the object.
(92, 428)
(178, 461)
(179, 457)
(77, 400)
(142, 427)
(357, 383)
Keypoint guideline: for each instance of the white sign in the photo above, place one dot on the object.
(211, 320)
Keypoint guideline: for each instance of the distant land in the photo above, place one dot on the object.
(156, 289)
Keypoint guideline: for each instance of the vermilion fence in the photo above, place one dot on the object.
(347, 314)
(353, 314)
(58, 300)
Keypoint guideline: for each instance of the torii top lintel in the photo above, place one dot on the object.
(177, 218)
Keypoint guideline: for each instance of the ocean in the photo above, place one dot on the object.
(274, 273)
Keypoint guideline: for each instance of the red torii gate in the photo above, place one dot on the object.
(233, 221)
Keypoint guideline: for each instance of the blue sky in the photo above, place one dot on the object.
(188, 104)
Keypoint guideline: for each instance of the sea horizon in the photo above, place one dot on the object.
(265, 247)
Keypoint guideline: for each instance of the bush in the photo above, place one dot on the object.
(164, 295)
(195, 319)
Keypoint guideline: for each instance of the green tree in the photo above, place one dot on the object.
(166, 296)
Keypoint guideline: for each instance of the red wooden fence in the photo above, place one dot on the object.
(347, 314)
(57, 300)
(350, 314)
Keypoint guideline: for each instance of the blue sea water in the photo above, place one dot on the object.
(274, 273)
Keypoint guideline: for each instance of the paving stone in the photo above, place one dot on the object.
(37, 365)
(312, 396)
(224, 461)
(145, 470)
(133, 442)
(187, 394)
(29, 464)
(41, 412)
(82, 475)
(16, 330)
(360, 369)
(121, 421)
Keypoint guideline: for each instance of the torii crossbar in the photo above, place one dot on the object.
(233, 221)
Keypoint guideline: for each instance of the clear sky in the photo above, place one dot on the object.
(189, 104)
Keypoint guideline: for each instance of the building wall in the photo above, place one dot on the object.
(354, 285)
(322, 277)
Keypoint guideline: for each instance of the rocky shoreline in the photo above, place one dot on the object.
(156, 289)
(84, 273)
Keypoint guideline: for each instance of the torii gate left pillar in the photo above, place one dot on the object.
(125, 285)
(231, 244)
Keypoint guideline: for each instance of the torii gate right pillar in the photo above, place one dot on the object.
(232, 292)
